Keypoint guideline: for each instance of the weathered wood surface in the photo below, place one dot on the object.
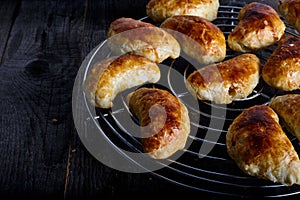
(42, 45)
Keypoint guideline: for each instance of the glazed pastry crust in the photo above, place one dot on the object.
(170, 136)
(257, 143)
(259, 26)
(159, 10)
(115, 74)
(128, 35)
(282, 69)
(124, 24)
(199, 38)
(288, 108)
(290, 10)
(226, 81)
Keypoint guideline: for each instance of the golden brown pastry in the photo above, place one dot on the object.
(290, 10)
(170, 126)
(288, 109)
(259, 26)
(127, 35)
(198, 37)
(282, 69)
(159, 10)
(226, 81)
(115, 74)
(259, 146)
(125, 24)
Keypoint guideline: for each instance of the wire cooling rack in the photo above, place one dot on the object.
(212, 172)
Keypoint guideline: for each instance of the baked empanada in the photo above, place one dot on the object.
(290, 10)
(226, 81)
(159, 10)
(127, 35)
(259, 27)
(125, 24)
(288, 109)
(168, 128)
(282, 69)
(110, 76)
(259, 146)
(199, 38)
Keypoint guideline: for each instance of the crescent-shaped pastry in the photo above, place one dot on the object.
(115, 74)
(125, 24)
(226, 81)
(127, 35)
(159, 10)
(282, 69)
(259, 146)
(168, 129)
(290, 11)
(288, 109)
(260, 26)
(199, 38)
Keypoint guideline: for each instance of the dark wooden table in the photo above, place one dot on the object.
(42, 45)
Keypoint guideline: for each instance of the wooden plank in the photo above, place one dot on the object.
(42, 46)
(8, 10)
(40, 61)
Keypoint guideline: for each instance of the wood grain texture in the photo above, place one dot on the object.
(42, 45)
(8, 10)
(39, 63)
(88, 178)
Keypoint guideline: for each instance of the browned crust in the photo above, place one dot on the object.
(255, 138)
(237, 74)
(282, 69)
(176, 3)
(103, 81)
(259, 26)
(96, 73)
(143, 39)
(198, 36)
(194, 27)
(290, 10)
(159, 10)
(124, 24)
(255, 15)
(288, 108)
(173, 131)
(254, 133)
(236, 70)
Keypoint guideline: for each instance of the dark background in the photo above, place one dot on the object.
(42, 45)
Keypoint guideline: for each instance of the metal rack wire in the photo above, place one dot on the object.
(214, 172)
